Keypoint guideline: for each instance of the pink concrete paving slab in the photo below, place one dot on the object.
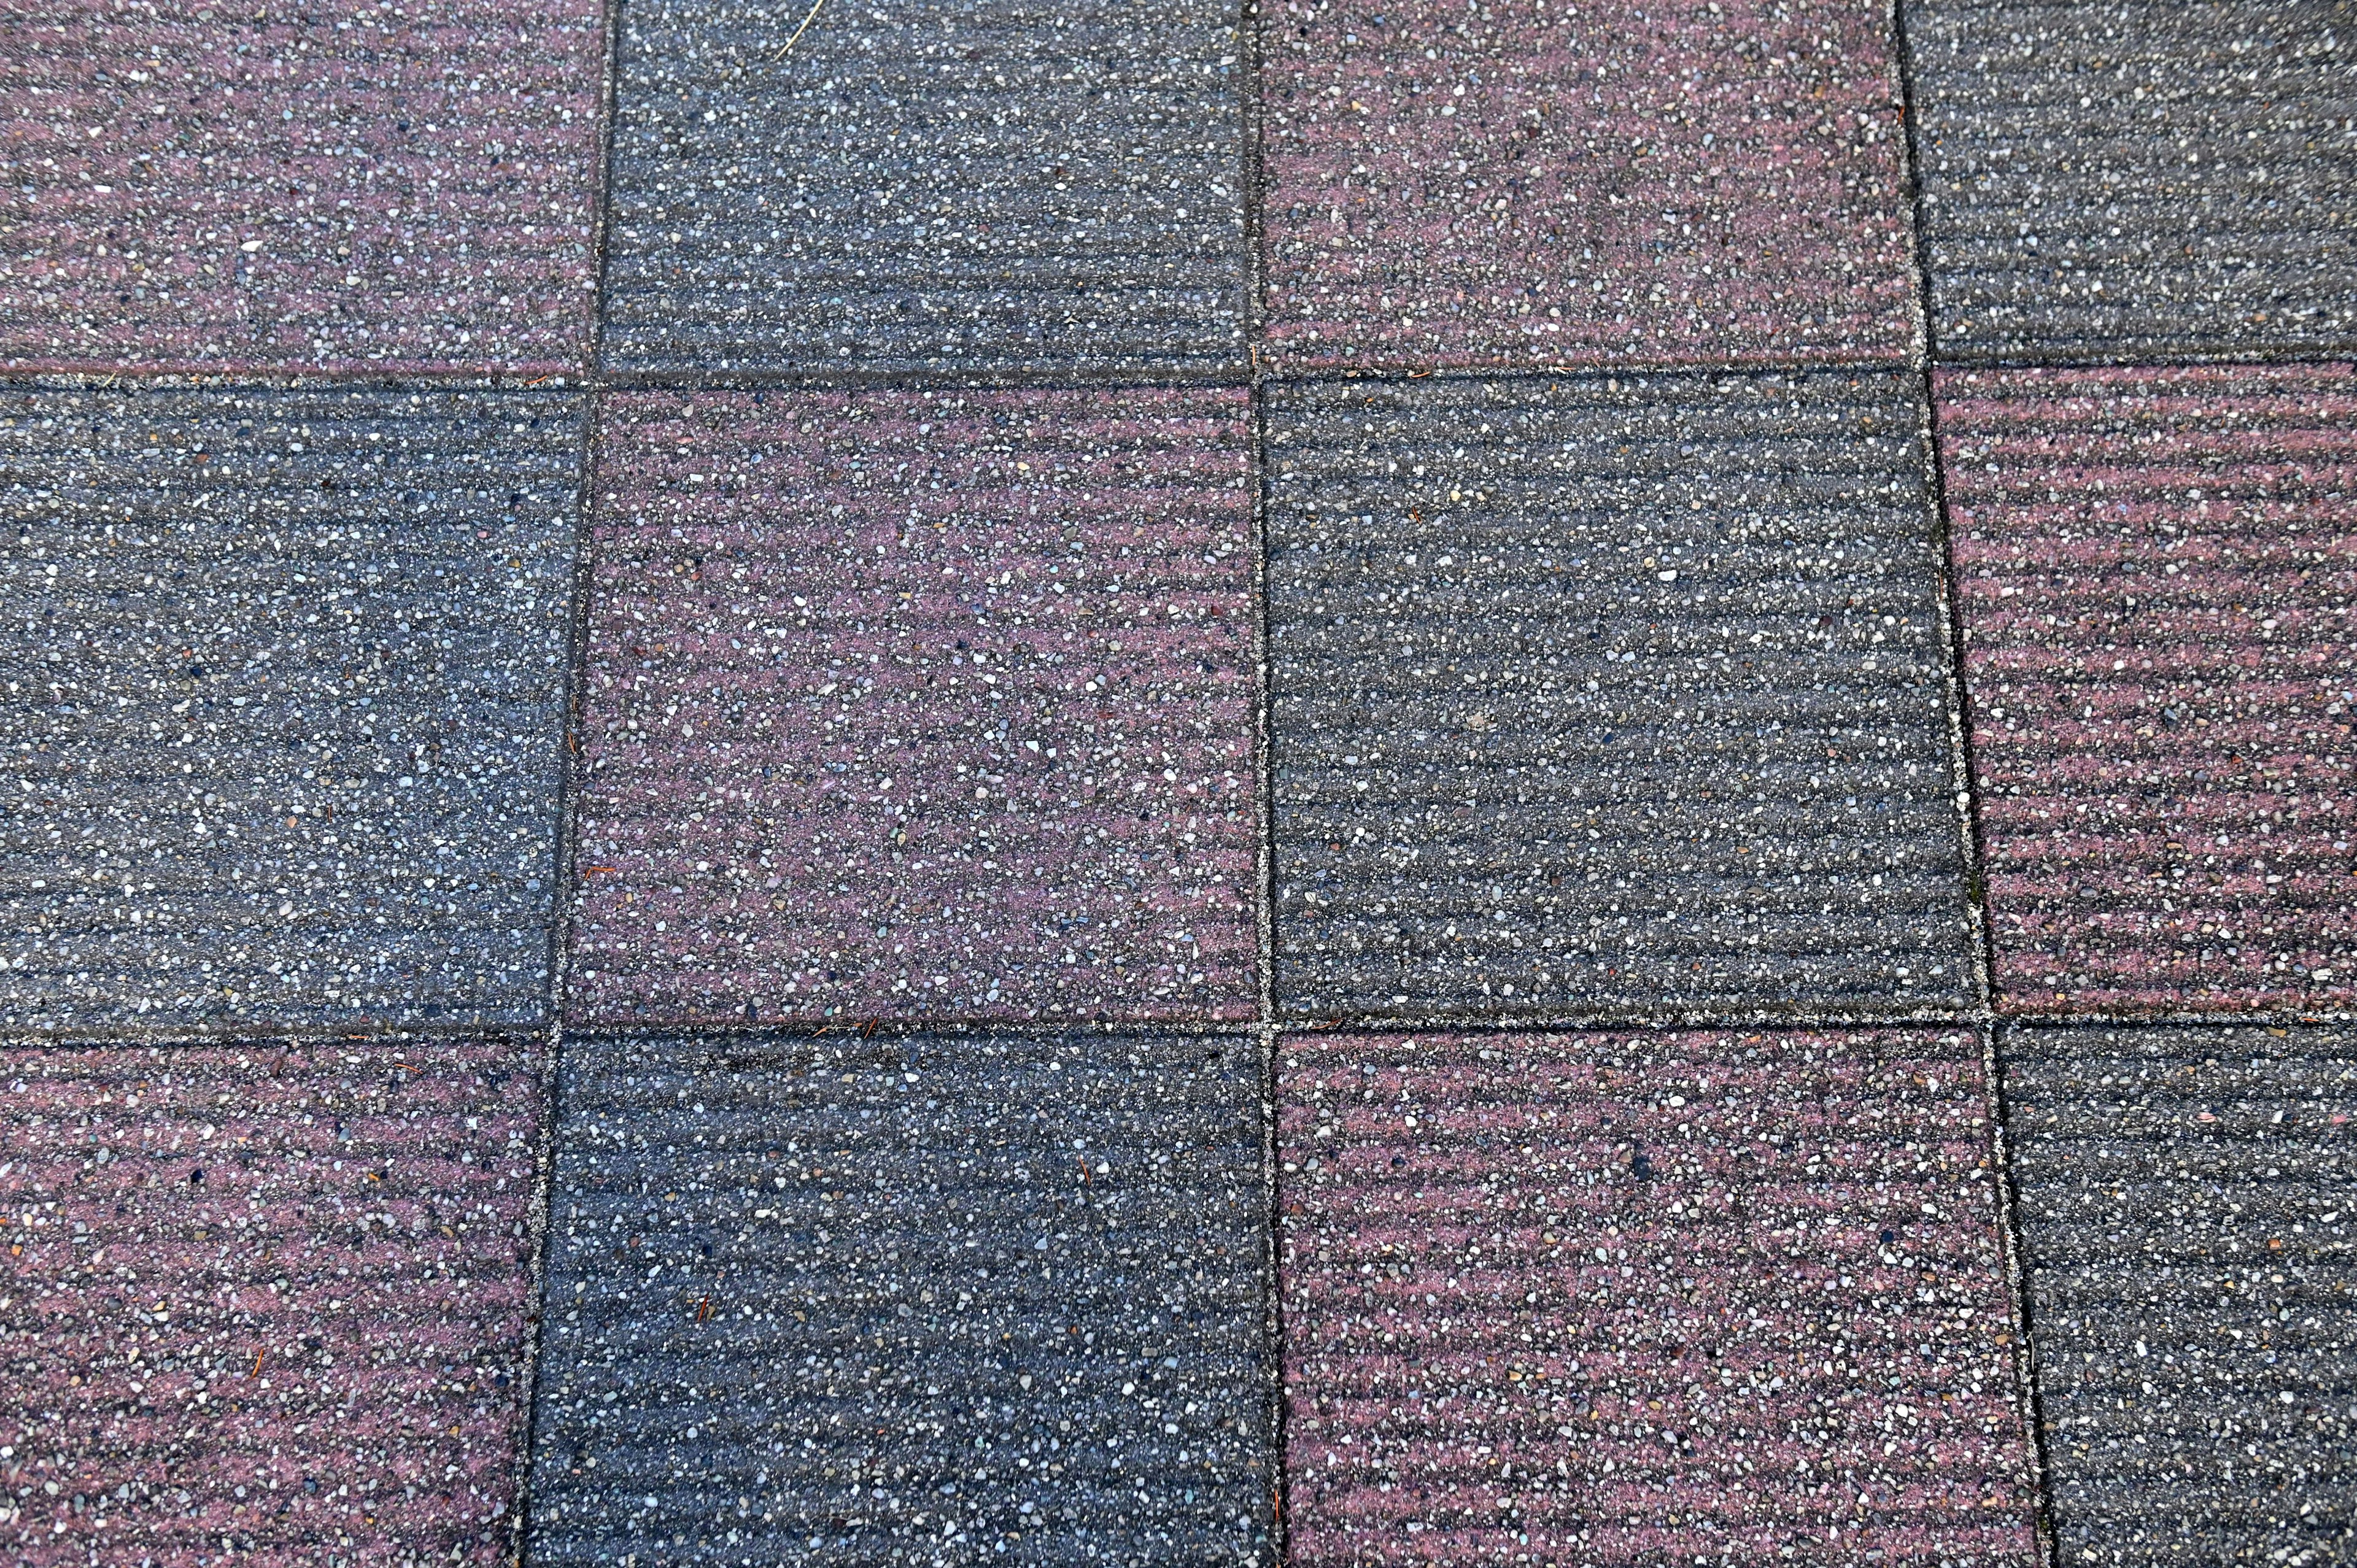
(255, 188)
(2156, 570)
(1672, 1297)
(263, 1304)
(1512, 184)
(918, 704)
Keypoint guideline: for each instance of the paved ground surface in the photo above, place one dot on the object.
(2184, 1206)
(1357, 784)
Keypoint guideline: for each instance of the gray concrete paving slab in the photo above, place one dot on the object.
(284, 729)
(2186, 1204)
(966, 184)
(1610, 692)
(2139, 179)
(921, 1300)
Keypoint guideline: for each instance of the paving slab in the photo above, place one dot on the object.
(1646, 1298)
(1512, 184)
(924, 1300)
(919, 705)
(964, 184)
(286, 679)
(264, 1304)
(2137, 178)
(269, 189)
(1608, 693)
(2154, 570)
(2184, 1201)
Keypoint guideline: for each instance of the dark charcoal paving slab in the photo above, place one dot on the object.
(283, 734)
(1609, 691)
(919, 705)
(963, 184)
(2185, 1200)
(1519, 184)
(1646, 1298)
(924, 1300)
(267, 187)
(2141, 178)
(2156, 570)
(264, 1304)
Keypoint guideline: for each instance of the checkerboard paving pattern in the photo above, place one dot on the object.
(1363, 783)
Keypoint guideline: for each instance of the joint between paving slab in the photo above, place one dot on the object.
(2014, 1256)
(1253, 182)
(1626, 1020)
(1591, 369)
(577, 659)
(2011, 1253)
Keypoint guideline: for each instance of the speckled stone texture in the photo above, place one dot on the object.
(921, 1300)
(984, 184)
(282, 732)
(1609, 691)
(2185, 1200)
(2143, 179)
(265, 187)
(919, 705)
(1673, 1297)
(2155, 569)
(1509, 184)
(263, 1304)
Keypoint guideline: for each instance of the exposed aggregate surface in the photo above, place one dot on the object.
(964, 184)
(286, 674)
(263, 1304)
(2139, 179)
(928, 1300)
(2186, 1210)
(1646, 1298)
(922, 704)
(1514, 183)
(1609, 691)
(2155, 571)
(219, 187)
(741, 737)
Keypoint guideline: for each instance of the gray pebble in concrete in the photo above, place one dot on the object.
(964, 183)
(282, 732)
(2142, 178)
(2187, 1198)
(922, 1301)
(1610, 692)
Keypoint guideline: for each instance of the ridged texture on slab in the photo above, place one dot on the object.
(263, 1304)
(2186, 1200)
(915, 703)
(2155, 571)
(922, 1301)
(232, 188)
(1521, 183)
(291, 748)
(1609, 693)
(1729, 1298)
(2145, 178)
(993, 184)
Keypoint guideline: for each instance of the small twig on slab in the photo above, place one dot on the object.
(807, 20)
